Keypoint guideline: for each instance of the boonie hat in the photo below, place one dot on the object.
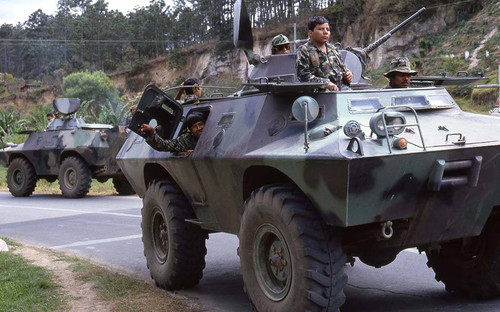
(280, 40)
(400, 65)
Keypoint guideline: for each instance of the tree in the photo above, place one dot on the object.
(89, 86)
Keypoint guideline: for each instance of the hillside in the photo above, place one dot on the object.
(436, 42)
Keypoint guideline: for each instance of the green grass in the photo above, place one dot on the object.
(124, 292)
(24, 287)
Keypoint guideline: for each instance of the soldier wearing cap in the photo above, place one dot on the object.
(280, 45)
(318, 60)
(400, 73)
(192, 94)
(186, 142)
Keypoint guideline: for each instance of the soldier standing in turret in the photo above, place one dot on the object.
(318, 60)
(400, 73)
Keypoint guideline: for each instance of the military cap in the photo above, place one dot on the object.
(280, 40)
(193, 118)
(400, 65)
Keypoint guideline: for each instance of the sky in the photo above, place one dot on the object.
(14, 11)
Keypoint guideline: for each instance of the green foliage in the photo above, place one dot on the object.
(10, 122)
(452, 64)
(485, 97)
(37, 117)
(25, 287)
(89, 86)
(460, 91)
(92, 112)
(425, 45)
(177, 59)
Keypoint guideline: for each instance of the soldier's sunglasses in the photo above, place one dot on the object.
(283, 47)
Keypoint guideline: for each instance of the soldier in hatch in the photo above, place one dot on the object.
(400, 73)
(184, 143)
(192, 94)
(128, 120)
(280, 45)
(318, 60)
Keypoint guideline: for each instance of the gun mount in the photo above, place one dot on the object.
(355, 58)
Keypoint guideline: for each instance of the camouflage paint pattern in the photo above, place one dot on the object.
(253, 140)
(96, 144)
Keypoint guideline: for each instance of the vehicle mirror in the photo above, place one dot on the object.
(305, 109)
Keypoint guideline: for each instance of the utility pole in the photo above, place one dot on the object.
(5, 64)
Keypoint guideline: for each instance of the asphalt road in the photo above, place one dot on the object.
(106, 229)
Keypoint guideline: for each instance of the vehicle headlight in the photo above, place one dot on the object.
(395, 122)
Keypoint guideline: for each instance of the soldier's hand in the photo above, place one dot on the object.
(188, 153)
(332, 86)
(348, 76)
(146, 129)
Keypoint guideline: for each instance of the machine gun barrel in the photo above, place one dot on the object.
(386, 37)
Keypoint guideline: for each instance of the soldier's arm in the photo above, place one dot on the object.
(304, 68)
(179, 144)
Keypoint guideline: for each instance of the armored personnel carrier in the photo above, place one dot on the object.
(311, 180)
(69, 150)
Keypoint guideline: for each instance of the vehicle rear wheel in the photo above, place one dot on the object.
(290, 259)
(122, 186)
(21, 177)
(470, 266)
(175, 249)
(74, 177)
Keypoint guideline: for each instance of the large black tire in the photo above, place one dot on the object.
(175, 249)
(290, 260)
(471, 266)
(21, 177)
(74, 177)
(122, 186)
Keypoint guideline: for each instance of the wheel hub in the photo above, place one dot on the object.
(272, 263)
(70, 178)
(160, 236)
(18, 177)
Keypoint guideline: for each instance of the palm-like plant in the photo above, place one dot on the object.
(103, 114)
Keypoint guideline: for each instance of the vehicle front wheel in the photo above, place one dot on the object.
(21, 177)
(290, 259)
(74, 177)
(122, 186)
(175, 249)
(470, 266)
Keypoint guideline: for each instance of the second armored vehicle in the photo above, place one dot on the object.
(69, 150)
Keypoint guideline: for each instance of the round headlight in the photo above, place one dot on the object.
(395, 122)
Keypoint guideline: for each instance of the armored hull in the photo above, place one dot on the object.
(254, 140)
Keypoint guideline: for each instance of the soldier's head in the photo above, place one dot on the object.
(50, 116)
(400, 73)
(57, 114)
(318, 30)
(132, 109)
(196, 90)
(195, 123)
(280, 45)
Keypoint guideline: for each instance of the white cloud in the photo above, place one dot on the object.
(18, 11)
